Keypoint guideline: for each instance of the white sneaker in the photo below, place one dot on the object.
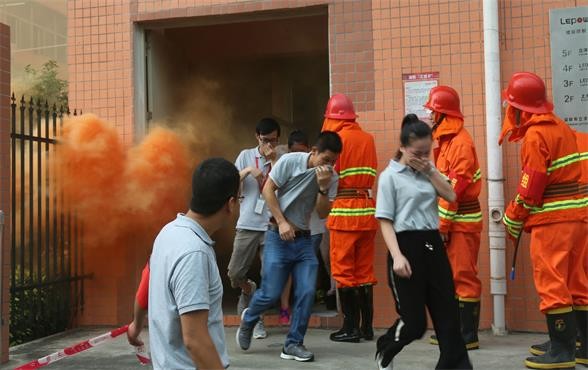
(379, 362)
(259, 331)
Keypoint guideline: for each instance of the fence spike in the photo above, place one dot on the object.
(13, 98)
(54, 108)
(46, 104)
(75, 112)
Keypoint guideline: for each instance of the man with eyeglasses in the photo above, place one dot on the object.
(254, 166)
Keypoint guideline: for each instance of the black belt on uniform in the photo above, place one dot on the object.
(472, 206)
(297, 233)
(354, 193)
(562, 189)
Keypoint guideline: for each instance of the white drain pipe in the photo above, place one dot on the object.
(494, 158)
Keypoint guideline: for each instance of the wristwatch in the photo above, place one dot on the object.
(322, 192)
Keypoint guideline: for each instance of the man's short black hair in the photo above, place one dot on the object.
(297, 137)
(214, 182)
(266, 126)
(329, 140)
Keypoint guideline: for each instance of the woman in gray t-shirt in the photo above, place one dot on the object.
(419, 271)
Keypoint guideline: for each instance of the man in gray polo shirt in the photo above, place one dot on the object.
(185, 288)
(254, 166)
(298, 184)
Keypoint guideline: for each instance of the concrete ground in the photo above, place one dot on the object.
(497, 353)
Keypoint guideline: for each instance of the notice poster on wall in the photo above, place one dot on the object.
(416, 91)
(569, 65)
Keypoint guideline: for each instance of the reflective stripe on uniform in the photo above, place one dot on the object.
(353, 211)
(560, 205)
(357, 171)
(468, 217)
(459, 217)
(445, 213)
(477, 176)
(563, 161)
(512, 223)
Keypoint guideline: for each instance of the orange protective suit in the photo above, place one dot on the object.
(550, 205)
(582, 141)
(352, 223)
(456, 158)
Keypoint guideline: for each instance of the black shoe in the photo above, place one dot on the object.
(469, 317)
(366, 307)
(562, 348)
(350, 330)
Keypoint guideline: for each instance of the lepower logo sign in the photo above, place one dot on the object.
(573, 20)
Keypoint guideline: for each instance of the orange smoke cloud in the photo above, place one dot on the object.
(122, 194)
(123, 197)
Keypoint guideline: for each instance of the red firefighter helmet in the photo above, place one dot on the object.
(526, 91)
(444, 99)
(340, 107)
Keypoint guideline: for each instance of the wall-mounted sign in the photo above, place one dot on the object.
(569, 65)
(416, 91)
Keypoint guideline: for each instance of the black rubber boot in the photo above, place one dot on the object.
(469, 316)
(540, 349)
(349, 306)
(562, 335)
(366, 307)
(582, 349)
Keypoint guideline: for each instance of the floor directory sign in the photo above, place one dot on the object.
(569, 65)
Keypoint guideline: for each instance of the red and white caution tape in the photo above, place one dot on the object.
(80, 347)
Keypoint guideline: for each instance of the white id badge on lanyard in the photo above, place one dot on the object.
(259, 205)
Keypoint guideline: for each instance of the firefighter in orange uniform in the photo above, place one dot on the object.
(550, 205)
(460, 222)
(352, 224)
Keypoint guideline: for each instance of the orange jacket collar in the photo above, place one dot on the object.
(337, 125)
(449, 126)
(517, 132)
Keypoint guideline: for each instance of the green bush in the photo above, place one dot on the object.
(39, 312)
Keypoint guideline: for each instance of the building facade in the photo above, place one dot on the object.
(125, 57)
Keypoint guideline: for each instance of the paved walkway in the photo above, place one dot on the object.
(498, 353)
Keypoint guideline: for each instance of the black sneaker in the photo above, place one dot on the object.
(244, 334)
(296, 352)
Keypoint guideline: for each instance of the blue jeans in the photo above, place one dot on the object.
(316, 241)
(280, 259)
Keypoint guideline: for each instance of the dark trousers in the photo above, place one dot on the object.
(430, 286)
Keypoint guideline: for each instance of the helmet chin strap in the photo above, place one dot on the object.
(438, 122)
(518, 117)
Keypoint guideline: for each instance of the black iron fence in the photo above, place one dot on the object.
(47, 259)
